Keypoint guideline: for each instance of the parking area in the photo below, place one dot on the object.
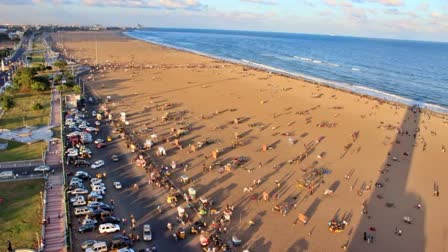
(136, 199)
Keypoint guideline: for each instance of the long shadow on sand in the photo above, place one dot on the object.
(389, 204)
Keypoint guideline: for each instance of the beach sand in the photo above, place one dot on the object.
(357, 137)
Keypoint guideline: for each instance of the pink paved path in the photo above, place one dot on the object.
(54, 151)
(55, 230)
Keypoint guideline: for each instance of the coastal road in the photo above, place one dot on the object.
(142, 203)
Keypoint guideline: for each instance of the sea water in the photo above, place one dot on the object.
(410, 72)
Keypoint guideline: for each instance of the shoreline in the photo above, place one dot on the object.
(344, 87)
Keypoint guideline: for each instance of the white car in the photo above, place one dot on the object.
(96, 194)
(97, 123)
(98, 141)
(42, 168)
(108, 228)
(6, 174)
(101, 184)
(93, 113)
(90, 129)
(78, 191)
(97, 164)
(99, 191)
(78, 197)
(79, 203)
(117, 185)
(147, 234)
(96, 180)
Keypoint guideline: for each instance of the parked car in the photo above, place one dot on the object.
(80, 202)
(97, 164)
(75, 180)
(82, 175)
(98, 247)
(99, 213)
(86, 228)
(147, 234)
(76, 185)
(110, 219)
(106, 207)
(125, 250)
(120, 241)
(89, 221)
(95, 194)
(78, 191)
(6, 174)
(117, 185)
(82, 211)
(88, 244)
(77, 197)
(42, 168)
(108, 228)
(96, 180)
(81, 162)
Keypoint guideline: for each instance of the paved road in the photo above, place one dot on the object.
(15, 57)
(142, 203)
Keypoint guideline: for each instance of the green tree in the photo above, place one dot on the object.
(24, 76)
(39, 86)
(61, 64)
(77, 89)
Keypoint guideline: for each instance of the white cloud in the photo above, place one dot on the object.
(382, 2)
(269, 2)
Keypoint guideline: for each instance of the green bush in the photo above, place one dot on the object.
(7, 102)
(37, 106)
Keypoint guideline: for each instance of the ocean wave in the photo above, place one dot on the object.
(333, 64)
(251, 63)
(355, 69)
(303, 58)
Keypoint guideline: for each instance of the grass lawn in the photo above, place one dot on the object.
(20, 213)
(23, 111)
(20, 151)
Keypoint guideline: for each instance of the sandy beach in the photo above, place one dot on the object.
(378, 161)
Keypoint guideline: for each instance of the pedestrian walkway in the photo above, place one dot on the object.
(53, 156)
(54, 237)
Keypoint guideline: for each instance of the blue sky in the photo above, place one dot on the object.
(400, 19)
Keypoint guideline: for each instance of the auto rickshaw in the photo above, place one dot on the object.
(181, 234)
(172, 200)
(101, 175)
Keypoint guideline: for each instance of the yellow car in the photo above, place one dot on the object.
(109, 138)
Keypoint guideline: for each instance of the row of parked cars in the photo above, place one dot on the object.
(93, 213)
(87, 192)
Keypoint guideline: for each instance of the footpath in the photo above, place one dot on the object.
(54, 235)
